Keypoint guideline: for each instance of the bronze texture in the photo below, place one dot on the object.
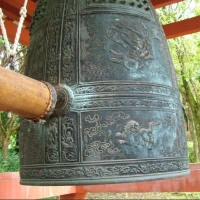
(118, 116)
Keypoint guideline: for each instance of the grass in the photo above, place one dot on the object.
(149, 195)
(146, 195)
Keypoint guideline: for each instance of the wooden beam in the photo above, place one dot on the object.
(184, 27)
(11, 29)
(162, 3)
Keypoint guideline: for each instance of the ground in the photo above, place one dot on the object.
(149, 195)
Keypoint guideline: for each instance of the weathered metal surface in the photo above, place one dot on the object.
(125, 121)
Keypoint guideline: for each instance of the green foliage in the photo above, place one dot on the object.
(51, 198)
(5, 124)
(9, 125)
(191, 155)
(12, 162)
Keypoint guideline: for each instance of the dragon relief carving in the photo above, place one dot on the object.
(102, 142)
(69, 152)
(94, 72)
(135, 44)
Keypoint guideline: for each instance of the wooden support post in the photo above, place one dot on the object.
(25, 96)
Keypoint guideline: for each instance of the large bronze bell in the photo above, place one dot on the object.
(118, 117)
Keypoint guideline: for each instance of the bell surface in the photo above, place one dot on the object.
(119, 116)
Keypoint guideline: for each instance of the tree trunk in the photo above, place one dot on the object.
(7, 139)
(1, 140)
(194, 117)
(193, 135)
(5, 148)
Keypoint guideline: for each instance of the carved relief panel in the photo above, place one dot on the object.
(119, 116)
(52, 141)
(39, 14)
(30, 143)
(68, 46)
(123, 134)
(53, 62)
(35, 56)
(61, 139)
(118, 48)
(141, 5)
(69, 140)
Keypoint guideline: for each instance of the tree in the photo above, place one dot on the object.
(9, 123)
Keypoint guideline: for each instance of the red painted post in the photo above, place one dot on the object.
(80, 196)
(11, 189)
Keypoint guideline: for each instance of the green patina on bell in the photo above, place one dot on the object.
(119, 117)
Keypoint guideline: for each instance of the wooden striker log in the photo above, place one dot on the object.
(25, 96)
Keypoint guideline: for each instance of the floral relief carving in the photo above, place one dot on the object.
(105, 171)
(89, 69)
(52, 142)
(39, 13)
(67, 50)
(52, 59)
(132, 88)
(140, 4)
(54, 42)
(112, 103)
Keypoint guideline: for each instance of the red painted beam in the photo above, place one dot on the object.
(13, 13)
(171, 30)
(184, 27)
(19, 3)
(162, 3)
(11, 29)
